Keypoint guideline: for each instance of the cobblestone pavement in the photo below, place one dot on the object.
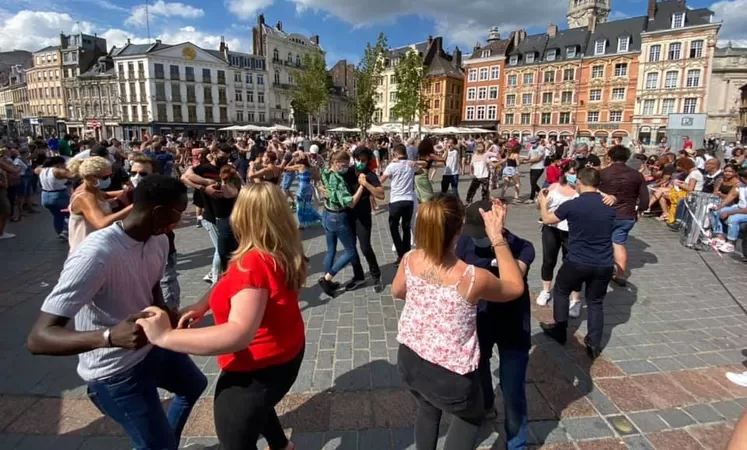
(672, 334)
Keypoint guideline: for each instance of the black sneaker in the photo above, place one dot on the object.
(556, 332)
(328, 287)
(354, 284)
(592, 350)
(378, 285)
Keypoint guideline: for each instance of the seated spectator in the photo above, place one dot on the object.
(734, 215)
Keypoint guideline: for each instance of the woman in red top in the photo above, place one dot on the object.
(553, 171)
(259, 331)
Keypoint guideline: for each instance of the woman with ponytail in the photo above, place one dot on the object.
(89, 205)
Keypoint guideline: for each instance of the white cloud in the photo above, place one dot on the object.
(200, 39)
(733, 13)
(139, 14)
(247, 9)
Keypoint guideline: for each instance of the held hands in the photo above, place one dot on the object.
(129, 334)
(156, 325)
(214, 191)
(362, 179)
(190, 316)
(494, 221)
(542, 198)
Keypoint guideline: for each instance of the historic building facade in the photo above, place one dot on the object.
(677, 49)
(386, 92)
(93, 104)
(442, 90)
(251, 87)
(742, 120)
(728, 76)
(46, 97)
(14, 102)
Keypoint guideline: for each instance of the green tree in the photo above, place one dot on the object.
(367, 79)
(410, 76)
(311, 90)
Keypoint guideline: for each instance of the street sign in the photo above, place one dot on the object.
(93, 124)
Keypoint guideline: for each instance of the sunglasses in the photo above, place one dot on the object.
(135, 172)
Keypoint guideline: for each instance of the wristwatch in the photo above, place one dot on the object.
(107, 338)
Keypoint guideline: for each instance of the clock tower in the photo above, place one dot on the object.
(581, 13)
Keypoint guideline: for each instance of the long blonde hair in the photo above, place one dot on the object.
(261, 220)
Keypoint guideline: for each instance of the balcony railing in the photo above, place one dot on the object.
(209, 99)
(221, 80)
(191, 99)
(282, 85)
(189, 77)
(222, 101)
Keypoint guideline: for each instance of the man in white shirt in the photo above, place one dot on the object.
(401, 198)
(536, 162)
(451, 167)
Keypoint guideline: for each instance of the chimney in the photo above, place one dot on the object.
(593, 22)
(430, 40)
(552, 30)
(476, 47)
(651, 9)
(315, 39)
(458, 58)
(279, 26)
(261, 19)
(223, 47)
(158, 41)
(128, 41)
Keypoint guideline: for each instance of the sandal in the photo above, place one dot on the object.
(662, 218)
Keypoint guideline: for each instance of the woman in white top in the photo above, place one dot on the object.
(54, 178)
(480, 171)
(451, 167)
(89, 205)
(555, 237)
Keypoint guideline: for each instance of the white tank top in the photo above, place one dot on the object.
(78, 226)
(49, 182)
(555, 200)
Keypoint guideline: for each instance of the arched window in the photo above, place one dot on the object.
(290, 57)
(277, 77)
(298, 60)
(275, 55)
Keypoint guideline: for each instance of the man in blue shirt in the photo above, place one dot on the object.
(504, 324)
(590, 258)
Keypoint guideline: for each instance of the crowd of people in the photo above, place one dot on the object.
(461, 274)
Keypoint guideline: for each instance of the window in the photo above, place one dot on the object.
(551, 54)
(670, 79)
(176, 111)
(526, 99)
(209, 114)
(262, 118)
(470, 113)
(545, 118)
(570, 52)
(549, 76)
(206, 77)
(599, 47)
(526, 118)
(528, 78)
(493, 92)
(648, 107)
(595, 95)
(616, 116)
(239, 116)
(678, 20)
(667, 106)
(191, 96)
(250, 116)
(471, 93)
(618, 94)
(191, 113)
(260, 79)
(248, 78)
(565, 118)
(482, 93)
(529, 58)
(237, 77)
(511, 81)
(189, 73)
(495, 72)
(654, 52)
(485, 53)
(261, 101)
(483, 74)
(160, 92)
(511, 100)
(392, 79)
(158, 71)
(508, 119)
(472, 75)
(480, 113)
(592, 117)
(427, 119)
(652, 80)
(674, 50)
(547, 98)
(689, 106)
(621, 69)
(221, 77)
(622, 44)
(437, 104)
(696, 49)
(566, 97)
(176, 93)
(569, 74)
(174, 72)
(239, 95)
(160, 113)
(513, 60)
(392, 96)
(492, 111)
(277, 77)
(597, 72)
(250, 96)
(207, 94)
(693, 78)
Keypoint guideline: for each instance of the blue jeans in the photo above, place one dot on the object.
(131, 398)
(337, 226)
(226, 242)
(212, 231)
(55, 202)
(733, 223)
(170, 283)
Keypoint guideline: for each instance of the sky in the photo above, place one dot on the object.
(344, 26)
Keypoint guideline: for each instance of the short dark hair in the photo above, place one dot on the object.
(400, 150)
(157, 190)
(225, 148)
(99, 150)
(54, 161)
(588, 176)
(619, 153)
(363, 152)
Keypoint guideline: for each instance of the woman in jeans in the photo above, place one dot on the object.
(439, 351)
(259, 332)
(54, 178)
(336, 221)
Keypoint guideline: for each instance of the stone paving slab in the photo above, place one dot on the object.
(671, 334)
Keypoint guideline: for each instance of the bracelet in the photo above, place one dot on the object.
(502, 243)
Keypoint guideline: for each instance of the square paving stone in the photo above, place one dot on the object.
(546, 432)
(373, 439)
(638, 443)
(637, 366)
(669, 364)
(673, 440)
(587, 428)
(676, 418)
(729, 409)
(704, 413)
(714, 437)
(648, 421)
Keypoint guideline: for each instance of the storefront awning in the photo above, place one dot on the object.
(619, 133)
(601, 134)
(584, 134)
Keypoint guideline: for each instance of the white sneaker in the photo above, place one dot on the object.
(7, 236)
(544, 298)
(737, 378)
(726, 247)
(574, 310)
(394, 249)
(209, 278)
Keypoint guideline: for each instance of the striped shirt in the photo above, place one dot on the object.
(106, 278)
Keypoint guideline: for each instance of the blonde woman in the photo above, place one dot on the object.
(89, 205)
(259, 331)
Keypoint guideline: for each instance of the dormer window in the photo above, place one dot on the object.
(485, 53)
(551, 54)
(570, 52)
(513, 60)
(623, 44)
(529, 57)
(599, 47)
(678, 20)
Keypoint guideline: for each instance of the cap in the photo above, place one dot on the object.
(314, 149)
(474, 225)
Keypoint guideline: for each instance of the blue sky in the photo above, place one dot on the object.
(343, 25)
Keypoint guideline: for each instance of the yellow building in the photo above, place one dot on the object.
(44, 79)
(443, 88)
(386, 92)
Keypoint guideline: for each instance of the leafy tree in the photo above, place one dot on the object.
(367, 80)
(311, 91)
(410, 76)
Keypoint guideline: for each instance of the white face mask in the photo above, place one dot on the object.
(135, 179)
(104, 184)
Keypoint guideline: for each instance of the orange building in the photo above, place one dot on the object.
(609, 79)
(482, 83)
(442, 90)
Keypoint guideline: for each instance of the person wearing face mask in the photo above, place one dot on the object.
(89, 208)
(402, 198)
(105, 284)
(506, 325)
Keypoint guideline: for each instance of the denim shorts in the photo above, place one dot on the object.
(621, 230)
(287, 181)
